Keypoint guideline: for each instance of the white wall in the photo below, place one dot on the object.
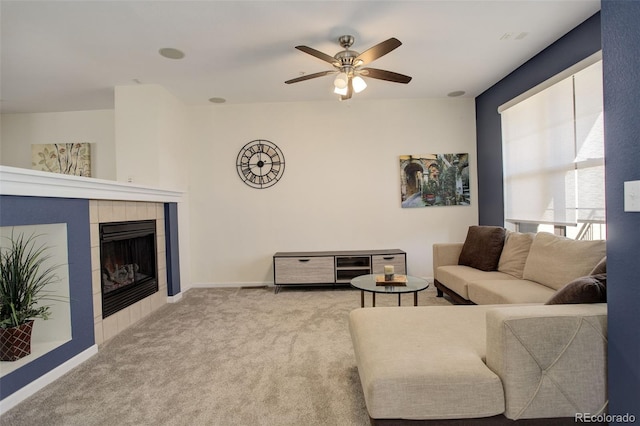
(136, 133)
(19, 131)
(151, 137)
(340, 189)
(145, 138)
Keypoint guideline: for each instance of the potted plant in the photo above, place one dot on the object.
(24, 277)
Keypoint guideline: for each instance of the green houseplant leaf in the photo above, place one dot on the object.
(24, 278)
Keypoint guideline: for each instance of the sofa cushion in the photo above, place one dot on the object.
(482, 247)
(589, 289)
(424, 362)
(600, 268)
(489, 292)
(554, 260)
(515, 252)
(458, 277)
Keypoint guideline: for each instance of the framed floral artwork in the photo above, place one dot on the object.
(65, 158)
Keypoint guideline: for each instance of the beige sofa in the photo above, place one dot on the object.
(532, 350)
(484, 364)
(527, 268)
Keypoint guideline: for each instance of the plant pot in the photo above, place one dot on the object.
(15, 342)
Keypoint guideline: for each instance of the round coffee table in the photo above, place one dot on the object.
(368, 283)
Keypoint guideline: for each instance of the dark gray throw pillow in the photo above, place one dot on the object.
(589, 289)
(482, 247)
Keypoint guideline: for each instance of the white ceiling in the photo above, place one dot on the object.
(69, 55)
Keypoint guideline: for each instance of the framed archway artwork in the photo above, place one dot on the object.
(429, 180)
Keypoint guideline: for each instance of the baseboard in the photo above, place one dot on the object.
(227, 285)
(174, 299)
(178, 297)
(50, 377)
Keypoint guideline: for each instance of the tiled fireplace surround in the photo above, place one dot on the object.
(31, 197)
(103, 211)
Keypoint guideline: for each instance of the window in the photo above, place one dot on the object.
(553, 157)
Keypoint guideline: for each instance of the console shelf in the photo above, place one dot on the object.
(333, 267)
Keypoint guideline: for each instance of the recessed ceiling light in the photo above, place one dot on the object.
(456, 93)
(217, 100)
(171, 53)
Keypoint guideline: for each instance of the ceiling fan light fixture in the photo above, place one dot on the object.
(358, 84)
(341, 81)
(340, 91)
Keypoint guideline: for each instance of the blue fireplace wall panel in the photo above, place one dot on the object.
(18, 211)
(173, 257)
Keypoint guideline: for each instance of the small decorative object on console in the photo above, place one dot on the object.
(397, 280)
(388, 273)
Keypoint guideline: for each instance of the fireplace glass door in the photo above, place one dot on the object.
(128, 263)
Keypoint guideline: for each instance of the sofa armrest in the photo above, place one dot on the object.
(552, 359)
(446, 254)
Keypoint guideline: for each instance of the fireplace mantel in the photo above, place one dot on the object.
(33, 198)
(17, 181)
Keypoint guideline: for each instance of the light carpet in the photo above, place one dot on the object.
(224, 356)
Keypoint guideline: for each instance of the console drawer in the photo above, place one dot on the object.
(399, 262)
(304, 270)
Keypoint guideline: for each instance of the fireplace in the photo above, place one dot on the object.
(128, 263)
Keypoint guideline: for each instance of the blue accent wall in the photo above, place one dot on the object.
(18, 211)
(173, 254)
(573, 47)
(616, 30)
(621, 68)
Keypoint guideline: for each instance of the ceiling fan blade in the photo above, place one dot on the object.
(310, 76)
(377, 51)
(385, 75)
(318, 54)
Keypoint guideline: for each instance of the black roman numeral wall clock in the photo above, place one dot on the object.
(260, 164)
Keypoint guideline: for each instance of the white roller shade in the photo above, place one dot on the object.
(590, 144)
(553, 152)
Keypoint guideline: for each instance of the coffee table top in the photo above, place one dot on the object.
(368, 283)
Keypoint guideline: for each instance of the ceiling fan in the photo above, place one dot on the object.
(349, 66)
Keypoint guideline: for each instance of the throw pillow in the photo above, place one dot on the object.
(600, 268)
(588, 289)
(482, 247)
(515, 252)
(554, 261)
